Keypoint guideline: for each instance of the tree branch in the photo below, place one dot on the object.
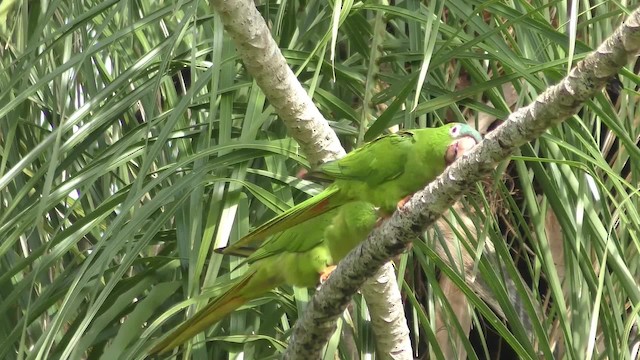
(264, 61)
(313, 329)
(384, 302)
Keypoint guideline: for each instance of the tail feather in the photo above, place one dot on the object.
(232, 299)
(300, 213)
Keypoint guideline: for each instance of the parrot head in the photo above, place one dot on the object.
(464, 137)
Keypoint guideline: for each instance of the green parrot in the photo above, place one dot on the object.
(301, 256)
(383, 172)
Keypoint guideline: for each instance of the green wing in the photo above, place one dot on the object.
(297, 239)
(381, 160)
(306, 210)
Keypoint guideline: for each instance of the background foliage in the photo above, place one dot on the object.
(133, 142)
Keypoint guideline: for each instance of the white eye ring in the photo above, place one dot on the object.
(455, 130)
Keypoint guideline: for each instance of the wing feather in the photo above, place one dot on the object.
(372, 167)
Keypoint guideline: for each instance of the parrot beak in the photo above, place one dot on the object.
(469, 132)
(476, 136)
(458, 148)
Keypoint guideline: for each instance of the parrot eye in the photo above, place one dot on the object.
(455, 131)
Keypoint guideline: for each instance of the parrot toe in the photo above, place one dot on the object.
(326, 273)
(382, 217)
(402, 202)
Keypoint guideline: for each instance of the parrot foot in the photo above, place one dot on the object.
(402, 202)
(326, 273)
(302, 173)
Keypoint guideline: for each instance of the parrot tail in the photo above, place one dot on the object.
(300, 213)
(232, 299)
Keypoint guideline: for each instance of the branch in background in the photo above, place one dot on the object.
(386, 309)
(313, 329)
(264, 61)
(318, 141)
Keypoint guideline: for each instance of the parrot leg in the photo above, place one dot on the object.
(384, 216)
(326, 273)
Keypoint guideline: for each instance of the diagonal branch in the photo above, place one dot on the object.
(313, 329)
(264, 61)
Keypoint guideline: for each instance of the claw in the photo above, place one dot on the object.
(380, 220)
(403, 201)
(326, 273)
